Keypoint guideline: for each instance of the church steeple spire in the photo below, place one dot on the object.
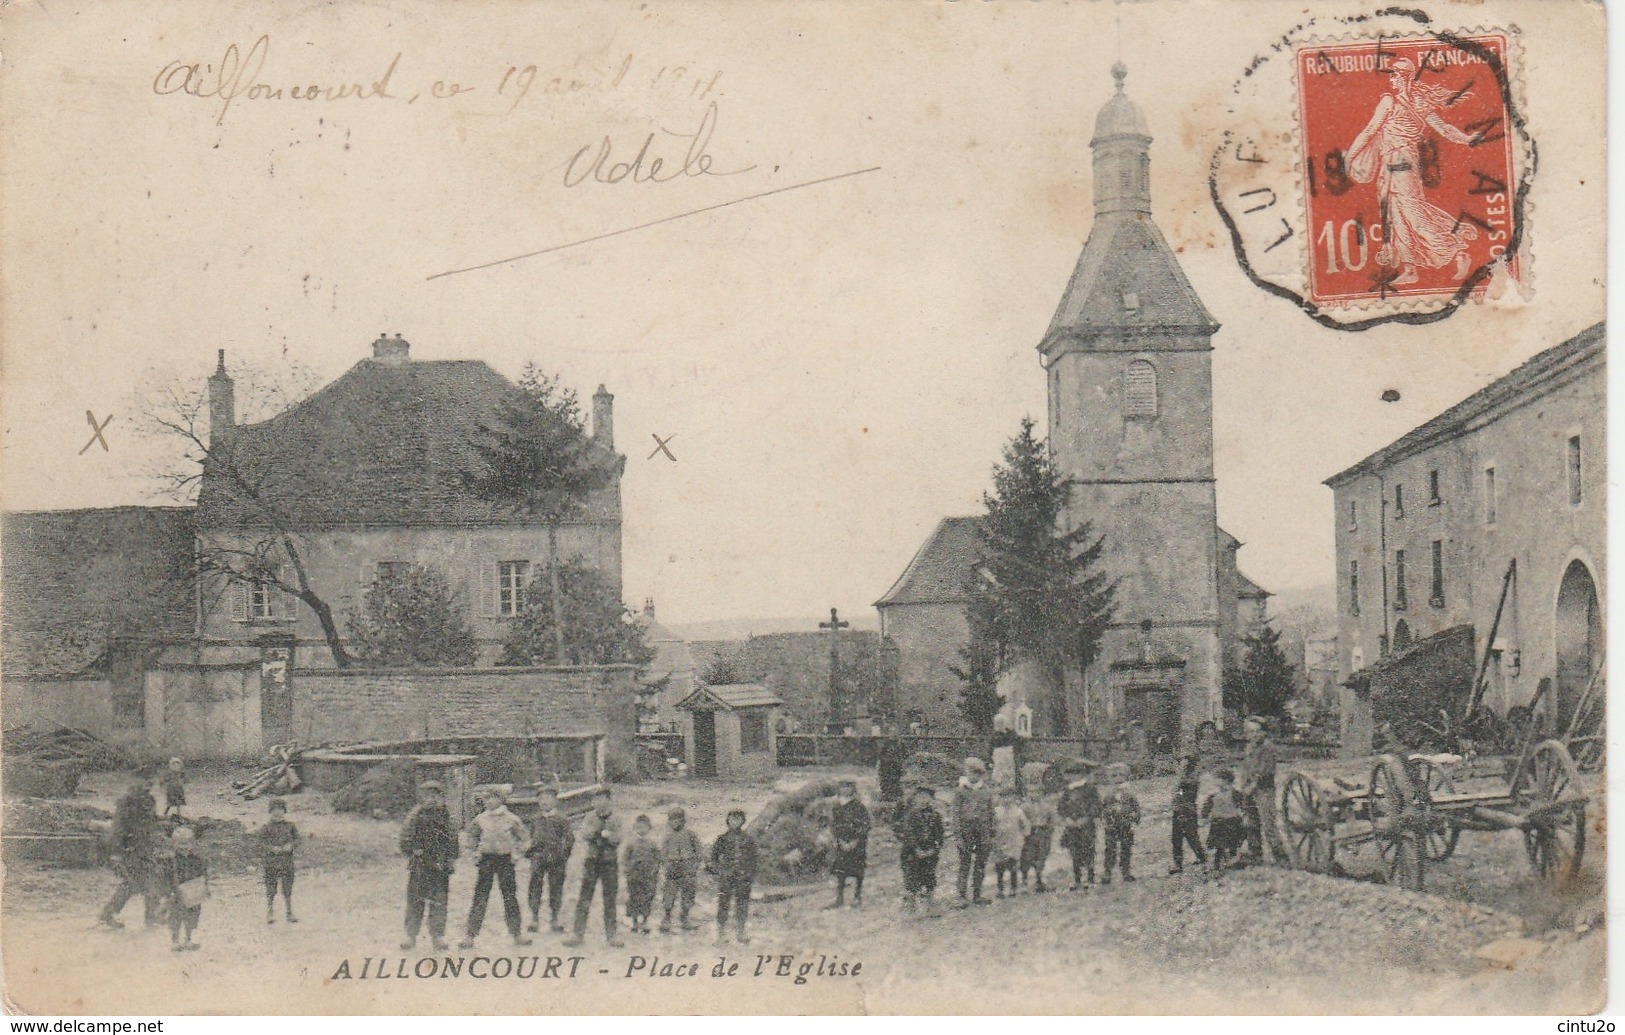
(1122, 149)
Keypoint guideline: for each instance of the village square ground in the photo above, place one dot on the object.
(1485, 938)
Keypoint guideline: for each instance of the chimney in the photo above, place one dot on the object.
(391, 352)
(603, 417)
(222, 402)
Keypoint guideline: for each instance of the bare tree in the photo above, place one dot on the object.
(267, 549)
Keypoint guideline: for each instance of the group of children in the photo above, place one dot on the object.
(668, 868)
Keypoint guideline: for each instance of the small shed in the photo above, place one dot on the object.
(730, 731)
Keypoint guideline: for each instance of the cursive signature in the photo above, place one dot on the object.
(597, 165)
(238, 75)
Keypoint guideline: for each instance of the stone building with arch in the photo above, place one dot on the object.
(1503, 494)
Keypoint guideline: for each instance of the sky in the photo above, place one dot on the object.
(835, 366)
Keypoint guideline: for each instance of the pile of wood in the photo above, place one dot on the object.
(280, 777)
(64, 744)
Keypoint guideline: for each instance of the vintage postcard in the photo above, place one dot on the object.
(554, 507)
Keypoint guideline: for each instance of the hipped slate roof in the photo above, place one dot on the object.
(731, 696)
(382, 445)
(75, 580)
(937, 573)
(1541, 368)
(1127, 255)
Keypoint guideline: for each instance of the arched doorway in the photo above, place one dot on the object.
(1579, 638)
(1402, 636)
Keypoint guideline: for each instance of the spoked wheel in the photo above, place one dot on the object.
(1442, 834)
(1398, 823)
(1549, 796)
(1309, 822)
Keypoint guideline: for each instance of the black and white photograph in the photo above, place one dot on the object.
(883, 507)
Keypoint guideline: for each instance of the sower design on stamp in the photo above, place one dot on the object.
(1407, 166)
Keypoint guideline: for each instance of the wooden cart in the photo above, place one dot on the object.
(1414, 810)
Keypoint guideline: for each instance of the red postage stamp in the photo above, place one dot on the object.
(1407, 167)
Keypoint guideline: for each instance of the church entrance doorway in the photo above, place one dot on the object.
(1156, 709)
(1579, 639)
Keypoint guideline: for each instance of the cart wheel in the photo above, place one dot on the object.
(1398, 823)
(1442, 834)
(1309, 822)
(1549, 795)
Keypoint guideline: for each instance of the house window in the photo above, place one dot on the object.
(1433, 489)
(1399, 580)
(511, 579)
(1576, 492)
(752, 731)
(1354, 587)
(1354, 515)
(261, 602)
(388, 570)
(1399, 501)
(1436, 596)
(1489, 495)
(1140, 389)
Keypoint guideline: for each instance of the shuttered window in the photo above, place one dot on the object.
(1140, 389)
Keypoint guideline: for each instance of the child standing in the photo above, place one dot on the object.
(551, 841)
(187, 883)
(641, 861)
(1010, 836)
(174, 787)
(1035, 850)
(920, 839)
(497, 836)
(600, 870)
(849, 825)
(1122, 815)
(279, 843)
(1185, 822)
(1223, 813)
(681, 855)
(733, 860)
(1079, 812)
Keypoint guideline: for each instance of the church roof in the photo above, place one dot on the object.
(1127, 279)
(937, 573)
(1120, 116)
(383, 444)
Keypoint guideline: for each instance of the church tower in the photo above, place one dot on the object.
(1129, 363)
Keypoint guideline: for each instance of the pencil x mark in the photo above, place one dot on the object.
(96, 431)
(660, 446)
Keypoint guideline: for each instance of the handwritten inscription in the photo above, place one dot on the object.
(245, 74)
(644, 167)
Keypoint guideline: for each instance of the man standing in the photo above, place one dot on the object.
(429, 842)
(131, 841)
(973, 826)
(1258, 789)
(498, 837)
(601, 839)
(1185, 828)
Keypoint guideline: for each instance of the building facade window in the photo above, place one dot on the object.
(1399, 501)
(1436, 594)
(1433, 489)
(511, 579)
(261, 602)
(1399, 580)
(1354, 587)
(1354, 515)
(1489, 495)
(389, 570)
(1576, 489)
(1140, 389)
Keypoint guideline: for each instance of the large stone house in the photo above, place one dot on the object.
(365, 475)
(1490, 516)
